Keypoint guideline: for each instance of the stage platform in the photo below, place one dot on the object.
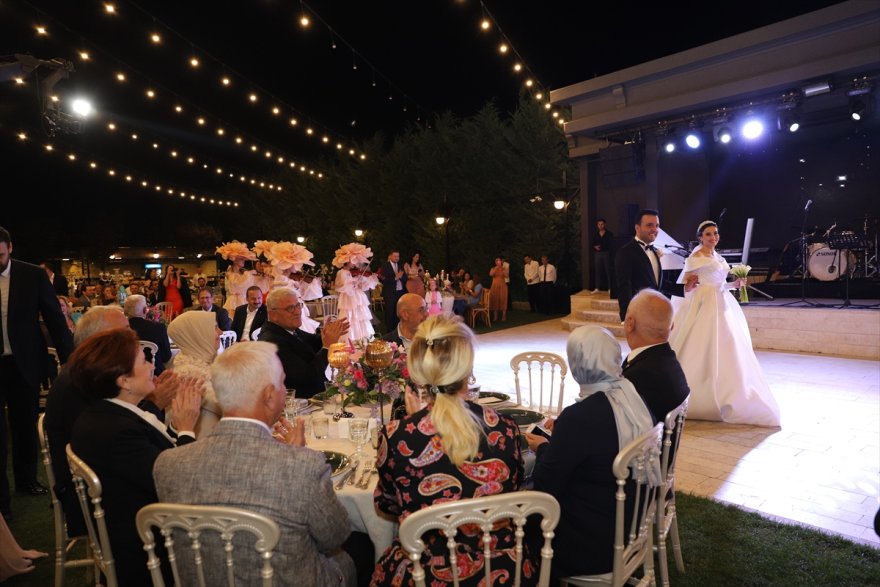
(816, 326)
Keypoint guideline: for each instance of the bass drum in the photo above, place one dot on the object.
(827, 264)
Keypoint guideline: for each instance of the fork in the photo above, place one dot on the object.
(364, 481)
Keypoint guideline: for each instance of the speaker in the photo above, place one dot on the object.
(622, 165)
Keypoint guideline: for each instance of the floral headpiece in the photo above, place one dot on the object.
(235, 249)
(261, 248)
(704, 224)
(354, 253)
(284, 255)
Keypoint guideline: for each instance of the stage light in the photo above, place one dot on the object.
(857, 109)
(300, 239)
(816, 89)
(752, 129)
(440, 220)
(669, 147)
(692, 140)
(81, 107)
(725, 135)
(559, 204)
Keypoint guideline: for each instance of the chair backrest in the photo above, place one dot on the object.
(316, 308)
(633, 546)
(329, 306)
(85, 479)
(255, 335)
(484, 512)
(193, 520)
(543, 370)
(154, 349)
(227, 339)
(484, 296)
(673, 428)
(60, 531)
(166, 310)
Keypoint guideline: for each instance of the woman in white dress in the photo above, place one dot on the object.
(353, 284)
(712, 341)
(237, 279)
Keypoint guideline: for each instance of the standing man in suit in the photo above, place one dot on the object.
(546, 283)
(393, 286)
(250, 316)
(530, 273)
(240, 464)
(637, 265)
(206, 303)
(412, 311)
(651, 365)
(25, 295)
(58, 281)
(136, 310)
(303, 355)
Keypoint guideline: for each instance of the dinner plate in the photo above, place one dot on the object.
(338, 462)
(488, 398)
(319, 398)
(522, 417)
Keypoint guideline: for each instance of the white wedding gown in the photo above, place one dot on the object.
(712, 341)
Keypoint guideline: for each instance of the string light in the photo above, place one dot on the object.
(225, 81)
(156, 38)
(84, 55)
(41, 30)
(19, 80)
(485, 24)
(109, 8)
(120, 77)
(151, 94)
(503, 48)
(194, 61)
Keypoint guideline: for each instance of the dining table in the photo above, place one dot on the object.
(358, 501)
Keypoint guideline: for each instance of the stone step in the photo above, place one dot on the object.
(570, 323)
(605, 305)
(598, 316)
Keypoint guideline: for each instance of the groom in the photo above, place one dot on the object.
(637, 265)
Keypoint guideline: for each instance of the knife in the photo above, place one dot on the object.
(346, 476)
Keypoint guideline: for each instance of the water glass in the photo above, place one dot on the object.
(320, 426)
(290, 404)
(330, 405)
(358, 431)
(374, 437)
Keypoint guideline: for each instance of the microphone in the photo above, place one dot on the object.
(807, 207)
(721, 216)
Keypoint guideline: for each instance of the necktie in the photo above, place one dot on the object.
(545, 273)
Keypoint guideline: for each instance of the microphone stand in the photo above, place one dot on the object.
(804, 264)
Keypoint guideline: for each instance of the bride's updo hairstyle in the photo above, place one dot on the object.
(441, 359)
(704, 225)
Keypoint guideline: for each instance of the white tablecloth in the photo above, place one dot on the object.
(359, 502)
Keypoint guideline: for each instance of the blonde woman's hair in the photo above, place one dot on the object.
(441, 358)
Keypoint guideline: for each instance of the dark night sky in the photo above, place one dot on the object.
(427, 56)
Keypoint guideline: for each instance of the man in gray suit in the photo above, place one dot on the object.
(240, 464)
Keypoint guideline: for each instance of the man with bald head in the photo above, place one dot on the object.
(412, 311)
(651, 365)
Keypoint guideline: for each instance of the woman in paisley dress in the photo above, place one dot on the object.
(712, 342)
(451, 449)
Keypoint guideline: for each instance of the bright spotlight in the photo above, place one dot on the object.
(724, 135)
(857, 109)
(692, 141)
(81, 107)
(559, 204)
(752, 129)
(669, 147)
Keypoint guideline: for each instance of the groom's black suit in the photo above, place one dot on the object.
(633, 273)
(657, 376)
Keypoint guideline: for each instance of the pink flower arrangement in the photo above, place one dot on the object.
(362, 384)
(235, 249)
(354, 253)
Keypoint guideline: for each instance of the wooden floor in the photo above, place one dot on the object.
(820, 469)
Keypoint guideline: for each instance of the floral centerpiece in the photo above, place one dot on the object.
(154, 314)
(741, 271)
(375, 373)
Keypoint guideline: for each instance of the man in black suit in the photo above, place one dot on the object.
(651, 365)
(136, 310)
(250, 316)
(637, 265)
(25, 295)
(393, 279)
(58, 281)
(303, 355)
(412, 311)
(206, 303)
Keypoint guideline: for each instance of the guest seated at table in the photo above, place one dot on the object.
(466, 284)
(197, 335)
(135, 307)
(411, 311)
(475, 291)
(575, 466)
(206, 304)
(120, 442)
(108, 295)
(471, 448)
(240, 464)
(303, 355)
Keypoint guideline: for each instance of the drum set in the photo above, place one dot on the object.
(839, 254)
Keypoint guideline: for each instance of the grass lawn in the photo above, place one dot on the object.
(722, 546)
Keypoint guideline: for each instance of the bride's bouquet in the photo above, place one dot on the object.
(741, 271)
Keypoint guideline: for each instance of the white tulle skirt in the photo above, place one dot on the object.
(712, 341)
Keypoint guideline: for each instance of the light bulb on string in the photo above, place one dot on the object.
(485, 24)
(155, 38)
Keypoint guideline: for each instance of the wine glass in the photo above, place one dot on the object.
(290, 404)
(358, 431)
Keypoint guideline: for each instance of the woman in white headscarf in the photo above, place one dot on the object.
(197, 335)
(575, 466)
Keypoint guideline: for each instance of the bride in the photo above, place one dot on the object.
(711, 339)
